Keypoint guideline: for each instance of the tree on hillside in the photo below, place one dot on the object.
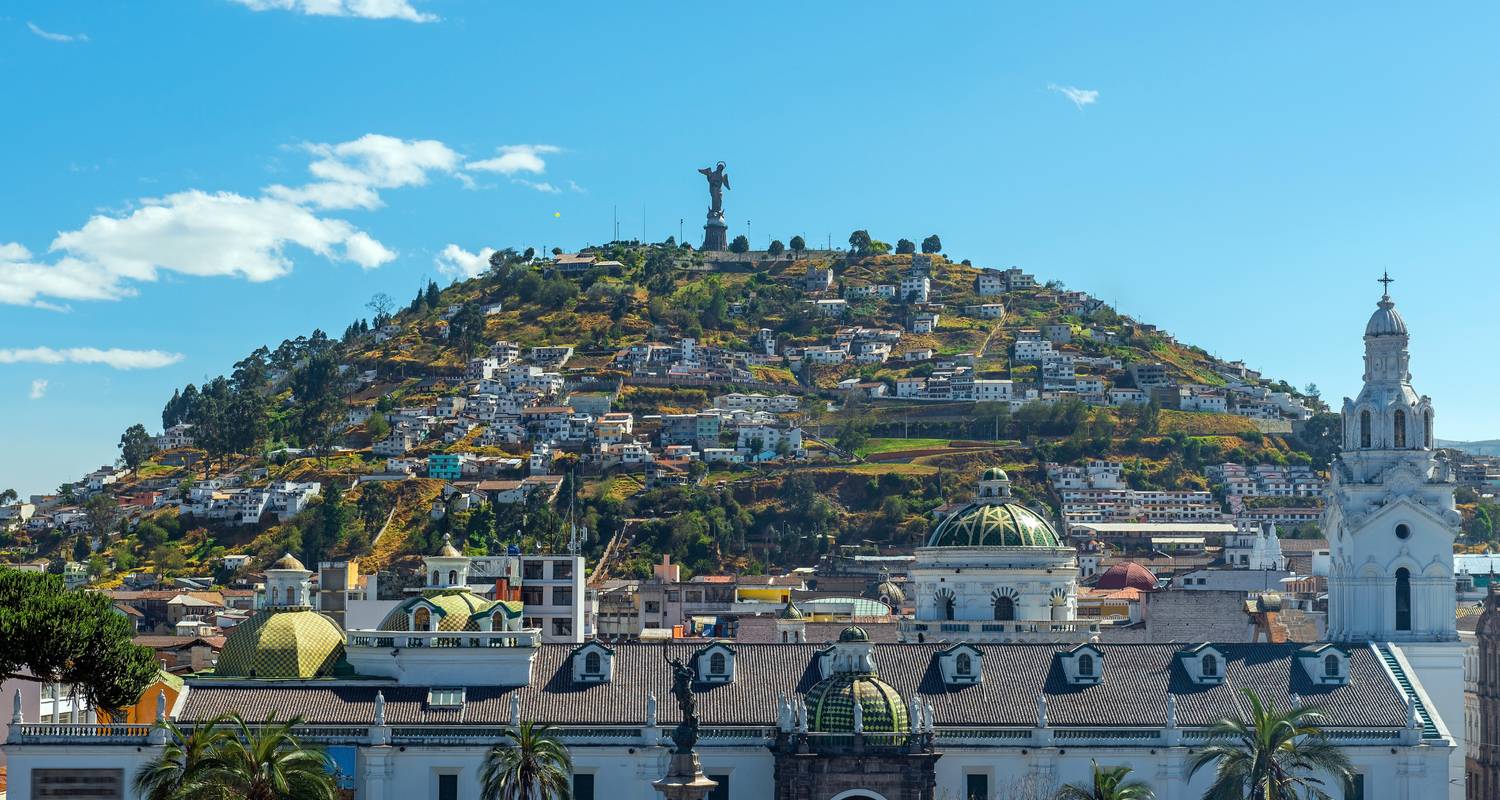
(776, 248)
(798, 244)
(434, 294)
(329, 526)
(318, 390)
(740, 244)
(381, 304)
(860, 241)
(53, 635)
(466, 329)
(81, 548)
(374, 504)
(932, 244)
(905, 246)
(377, 427)
(529, 254)
(8, 496)
(135, 445)
(557, 251)
(101, 512)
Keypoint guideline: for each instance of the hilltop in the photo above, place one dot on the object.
(850, 394)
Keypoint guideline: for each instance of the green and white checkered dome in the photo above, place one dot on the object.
(830, 704)
(994, 522)
(276, 643)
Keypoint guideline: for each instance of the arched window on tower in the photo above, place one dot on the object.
(437, 577)
(965, 664)
(1331, 666)
(1364, 428)
(1427, 430)
(1399, 432)
(452, 577)
(1005, 608)
(1210, 665)
(1403, 599)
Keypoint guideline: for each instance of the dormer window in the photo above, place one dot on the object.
(1204, 664)
(1325, 664)
(960, 665)
(593, 663)
(445, 697)
(716, 663)
(1083, 665)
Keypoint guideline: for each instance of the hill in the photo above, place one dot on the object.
(855, 393)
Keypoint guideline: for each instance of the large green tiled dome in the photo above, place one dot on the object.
(282, 644)
(830, 704)
(458, 610)
(994, 522)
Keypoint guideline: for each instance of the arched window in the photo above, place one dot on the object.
(1427, 430)
(945, 603)
(452, 577)
(497, 621)
(716, 664)
(1331, 666)
(1086, 665)
(1364, 428)
(591, 663)
(965, 664)
(1403, 599)
(1211, 666)
(1005, 608)
(421, 620)
(437, 577)
(1399, 432)
(784, 638)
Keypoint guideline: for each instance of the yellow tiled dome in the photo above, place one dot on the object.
(282, 644)
(457, 610)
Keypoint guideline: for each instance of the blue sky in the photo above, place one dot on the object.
(186, 181)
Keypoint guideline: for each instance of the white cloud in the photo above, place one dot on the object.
(1080, 97)
(460, 263)
(114, 357)
(576, 188)
(543, 186)
(328, 195)
(57, 37)
(515, 158)
(366, 9)
(38, 388)
(366, 252)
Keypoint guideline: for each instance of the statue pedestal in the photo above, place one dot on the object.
(715, 234)
(685, 779)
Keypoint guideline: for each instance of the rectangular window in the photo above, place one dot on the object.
(562, 570)
(562, 596)
(531, 595)
(562, 627)
(583, 786)
(976, 786)
(438, 697)
(531, 570)
(720, 792)
(447, 787)
(653, 607)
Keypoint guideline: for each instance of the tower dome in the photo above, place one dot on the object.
(1127, 575)
(830, 704)
(282, 644)
(1386, 321)
(988, 523)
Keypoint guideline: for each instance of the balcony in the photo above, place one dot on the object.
(1060, 631)
(387, 640)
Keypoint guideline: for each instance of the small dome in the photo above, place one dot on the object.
(790, 610)
(1127, 575)
(458, 610)
(289, 561)
(854, 633)
(994, 522)
(830, 705)
(282, 644)
(994, 474)
(448, 550)
(890, 591)
(1386, 321)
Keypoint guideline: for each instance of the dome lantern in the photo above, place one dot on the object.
(288, 584)
(448, 568)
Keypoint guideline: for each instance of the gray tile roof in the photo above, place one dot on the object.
(1136, 677)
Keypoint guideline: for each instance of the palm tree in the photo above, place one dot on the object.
(1109, 784)
(531, 764)
(1272, 756)
(271, 763)
(185, 764)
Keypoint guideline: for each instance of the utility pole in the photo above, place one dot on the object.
(679, 230)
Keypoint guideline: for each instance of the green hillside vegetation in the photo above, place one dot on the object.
(284, 410)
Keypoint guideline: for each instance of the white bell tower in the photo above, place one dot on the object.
(1391, 522)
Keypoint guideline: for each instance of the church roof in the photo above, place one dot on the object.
(1127, 575)
(457, 610)
(994, 522)
(1136, 680)
(289, 561)
(1386, 321)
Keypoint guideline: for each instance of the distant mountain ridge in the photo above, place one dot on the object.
(1483, 447)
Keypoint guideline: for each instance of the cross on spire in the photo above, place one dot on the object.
(1386, 279)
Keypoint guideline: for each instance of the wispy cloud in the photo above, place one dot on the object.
(460, 263)
(114, 357)
(57, 37)
(516, 158)
(365, 9)
(541, 186)
(38, 388)
(1080, 97)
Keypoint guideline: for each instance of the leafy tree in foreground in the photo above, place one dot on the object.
(1273, 755)
(1108, 784)
(184, 765)
(53, 635)
(531, 763)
